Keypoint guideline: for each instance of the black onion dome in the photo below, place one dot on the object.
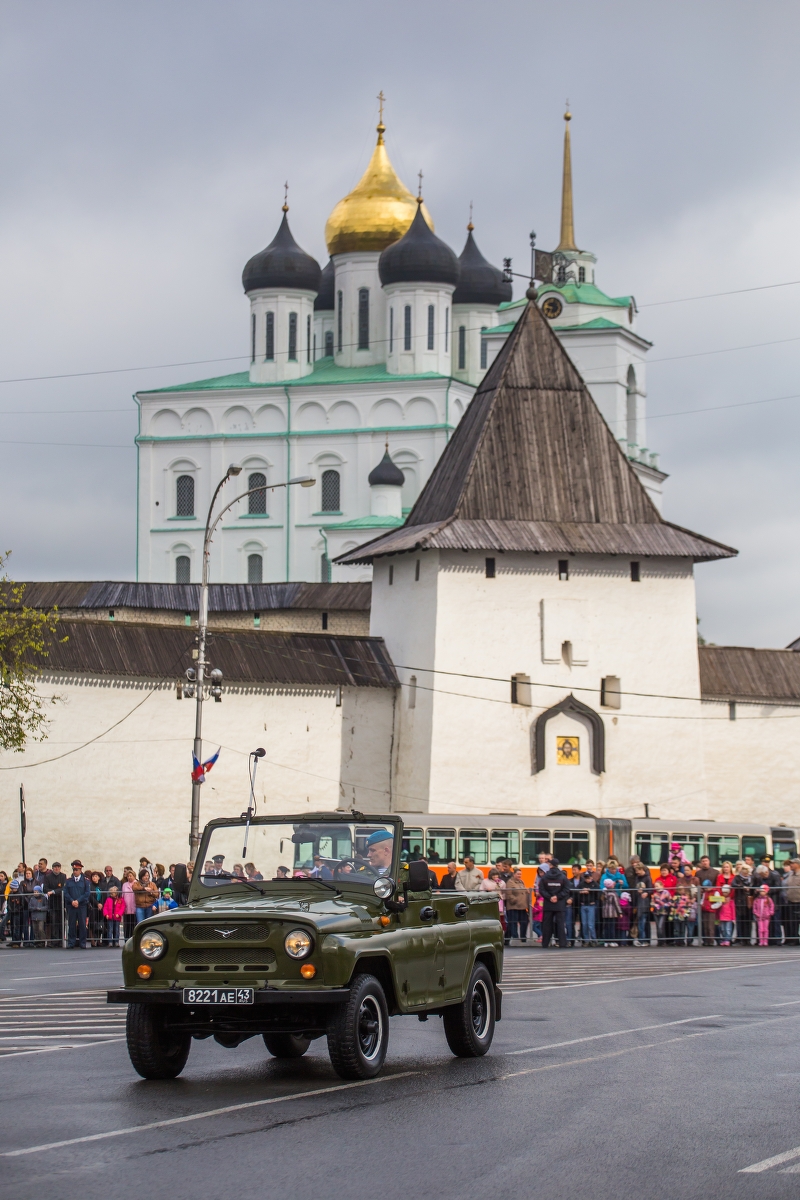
(478, 281)
(419, 257)
(386, 472)
(282, 265)
(327, 287)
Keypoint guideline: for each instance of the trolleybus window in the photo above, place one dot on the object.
(756, 847)
(722, 846)
(571, 846)
(504, 844)
(652, 848)
(534, 843)
(441, 845)
(691, 843)
(783, 851)
(473, 843)
(412, 845)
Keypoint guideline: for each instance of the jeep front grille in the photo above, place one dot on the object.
(201, 931)
(228, 957)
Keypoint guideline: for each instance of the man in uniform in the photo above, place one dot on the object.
(76, 901)
(380, 848)
(554, 890)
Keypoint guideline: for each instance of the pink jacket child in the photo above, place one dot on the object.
(114, 908)
(763, 908)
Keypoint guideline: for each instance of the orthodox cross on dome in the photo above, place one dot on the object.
(470, 226)
(285, 207)
(381, 127)
(419, 192)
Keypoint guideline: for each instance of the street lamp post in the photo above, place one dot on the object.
(202, 631)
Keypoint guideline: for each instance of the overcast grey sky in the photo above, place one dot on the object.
(144, 148)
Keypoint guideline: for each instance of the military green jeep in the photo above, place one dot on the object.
(330, 935)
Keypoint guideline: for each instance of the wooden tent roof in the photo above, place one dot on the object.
(533, 466)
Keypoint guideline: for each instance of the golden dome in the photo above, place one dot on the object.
(377, 212)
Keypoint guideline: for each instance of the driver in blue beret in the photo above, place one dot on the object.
(380, 848)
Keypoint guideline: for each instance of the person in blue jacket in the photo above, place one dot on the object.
(76, 902)
(615, 873)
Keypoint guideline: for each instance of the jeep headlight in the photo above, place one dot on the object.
(383, 887)
(152, 944)
(298, 943)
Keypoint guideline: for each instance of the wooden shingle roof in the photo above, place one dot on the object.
(185, 597)
(743, 673)
(533, 466)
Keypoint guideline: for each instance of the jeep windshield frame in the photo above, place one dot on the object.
(329, 849)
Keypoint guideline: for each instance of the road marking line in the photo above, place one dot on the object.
(775, 1161)
(67, 975)
(617, 1033)
(52, 1050)
(211, 1112)
(549, 987)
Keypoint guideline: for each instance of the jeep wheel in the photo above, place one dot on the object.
(358, 1033)
(469, 1026)
(156, 1052)
(286, 1045)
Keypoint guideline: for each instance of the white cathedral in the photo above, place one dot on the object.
(359, 375)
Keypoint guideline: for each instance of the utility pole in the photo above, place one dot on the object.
(23, 824)
(197, 675)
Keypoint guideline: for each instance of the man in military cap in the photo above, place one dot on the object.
(380, 849)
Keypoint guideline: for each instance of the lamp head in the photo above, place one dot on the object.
(233, 470)
(303, 480)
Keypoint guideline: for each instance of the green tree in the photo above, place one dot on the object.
(24, 633)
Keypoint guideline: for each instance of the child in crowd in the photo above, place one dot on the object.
(37, 912)
(625, 918)
(661, 904)
(611, 911)
(763, 909)
(726, 915)
(682, 915)
(113, 911)
(538, 912)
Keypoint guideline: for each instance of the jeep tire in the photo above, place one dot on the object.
(469, 1026)
(358, 1030)
(155, 1051)
(286, 1045)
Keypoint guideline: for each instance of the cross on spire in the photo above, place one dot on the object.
(285, 197)
(470, 226)
(419, 193)
(381, 101)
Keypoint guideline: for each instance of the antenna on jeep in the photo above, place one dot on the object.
(253, 758)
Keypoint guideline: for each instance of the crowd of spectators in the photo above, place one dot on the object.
(606, 904)
(42, 905)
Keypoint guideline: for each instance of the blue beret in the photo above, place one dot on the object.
(380, 835)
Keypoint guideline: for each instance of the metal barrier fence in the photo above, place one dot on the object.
(626, 917)
(38, 921)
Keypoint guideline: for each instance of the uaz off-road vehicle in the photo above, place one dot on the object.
(332, 937)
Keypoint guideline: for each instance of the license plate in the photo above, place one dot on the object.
(218, 995)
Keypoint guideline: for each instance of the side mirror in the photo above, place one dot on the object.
(418, 880)
(180, 878)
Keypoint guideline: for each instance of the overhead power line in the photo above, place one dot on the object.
(764, 287)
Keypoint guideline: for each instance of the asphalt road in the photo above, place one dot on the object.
(668, 1083)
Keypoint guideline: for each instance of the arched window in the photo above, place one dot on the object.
(431, 320)
(339, 299)
(391, 330)
(308, 339)
(325, 569)
(255, 568)
(330, 491)
(446, 330)
(363, 318)
(183, 569)
(484, 348)
(293, 337)
(270, 347)
(329, 344)
(257, 500)
(581, 274)
(462, 347)
(407, 327)
(631, 407)
(562, 274)
(253, 337)
(184, 496)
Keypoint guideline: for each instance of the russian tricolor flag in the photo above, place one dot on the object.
(199, 770)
